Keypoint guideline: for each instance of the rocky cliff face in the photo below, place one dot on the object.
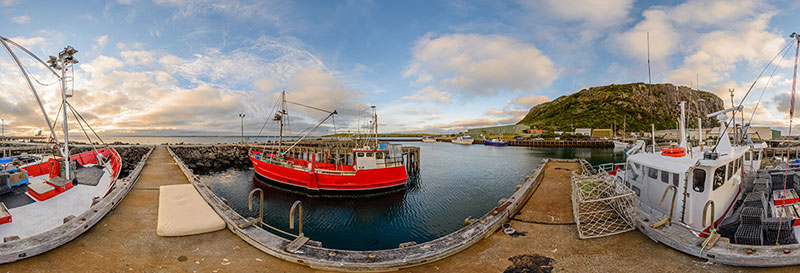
(600, 107)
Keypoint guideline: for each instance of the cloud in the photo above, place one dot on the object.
(529, 100)
(101, 41)
(593, 14)
(709, 29)
(475, 64)
(8, 3)
(21, 19)
(431, 94)
(138, 57)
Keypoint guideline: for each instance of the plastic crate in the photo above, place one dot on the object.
(752, 216)
(761, 188)
(749, 235)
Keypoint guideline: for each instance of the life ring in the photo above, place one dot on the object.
(673, 151)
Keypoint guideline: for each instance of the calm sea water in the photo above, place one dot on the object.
(455, 182)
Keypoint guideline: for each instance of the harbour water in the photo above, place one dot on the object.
(455, 182)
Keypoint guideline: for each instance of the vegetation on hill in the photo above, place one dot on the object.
(602, 106)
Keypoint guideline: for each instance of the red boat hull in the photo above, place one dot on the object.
(90, 157)
(319, 177)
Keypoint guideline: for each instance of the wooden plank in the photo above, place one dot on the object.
(295, 245)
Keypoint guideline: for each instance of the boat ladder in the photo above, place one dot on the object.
(299, 239)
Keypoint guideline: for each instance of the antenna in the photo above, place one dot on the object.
(650, 92)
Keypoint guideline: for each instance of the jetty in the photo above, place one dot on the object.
(546, 238)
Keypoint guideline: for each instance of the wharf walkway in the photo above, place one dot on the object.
(126, 241)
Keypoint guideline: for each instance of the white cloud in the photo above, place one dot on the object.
(529, 100)
(593, 13)
(138, 57)
(21, 19)
(663, 37)
(431, 94)
(101, 41)
(477, 64)
(8, 3)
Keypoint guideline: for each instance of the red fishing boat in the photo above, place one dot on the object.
(375, 166)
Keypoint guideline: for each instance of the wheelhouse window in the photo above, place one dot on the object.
(652, 173)
(665, 177)
(675, 178)
(360, 154)
(369, 154)
(379, 155)
(730, 171)
(699, 180)
(719, 177)
(747, 155)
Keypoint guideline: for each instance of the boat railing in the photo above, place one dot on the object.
(609, 167)
(326, 171)
(672, 204)
(705, 211)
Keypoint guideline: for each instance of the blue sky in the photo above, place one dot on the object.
(170, 67)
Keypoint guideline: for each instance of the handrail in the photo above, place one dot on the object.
(296, 204)
(705, 210)
(250, 203)
(672, 205)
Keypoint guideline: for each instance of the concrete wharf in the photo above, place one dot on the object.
(125, 240)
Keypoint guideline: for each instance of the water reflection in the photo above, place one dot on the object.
(455, 182)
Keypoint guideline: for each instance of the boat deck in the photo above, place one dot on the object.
(125, 240)
(31, 217)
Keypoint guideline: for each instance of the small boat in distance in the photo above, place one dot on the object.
(465, 140)
(496, 142)
(429, 139)
(621, 145)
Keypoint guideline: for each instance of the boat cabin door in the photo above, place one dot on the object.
(657, 183)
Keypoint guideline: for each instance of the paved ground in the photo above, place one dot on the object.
(125, 241)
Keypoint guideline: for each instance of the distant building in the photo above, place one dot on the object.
(558, 132)
(583, 131)
(602, 133)
(757, 133)
(515, 129)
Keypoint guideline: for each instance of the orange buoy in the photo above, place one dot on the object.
(673, 151)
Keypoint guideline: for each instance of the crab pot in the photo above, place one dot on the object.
(729, 226)
(754, 200)
(749, 235)
(778, 178)
(763, 188)
(752, 216)
(780, 230)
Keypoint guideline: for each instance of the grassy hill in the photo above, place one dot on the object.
(600, 107)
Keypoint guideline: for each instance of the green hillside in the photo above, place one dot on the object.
(600, 107)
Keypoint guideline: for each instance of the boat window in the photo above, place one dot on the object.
(719, 177)
(360, 154)
(369, 154)
(652, 173)
(757, 155)
(747, 155)
(730, 170)
(675, 178)
(379, 155)
(636, 190)
(699, 180)
(665, 176)
(636, 165)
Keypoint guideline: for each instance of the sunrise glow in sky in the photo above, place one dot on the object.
(174, 67)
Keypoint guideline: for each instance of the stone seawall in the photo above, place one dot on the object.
(208, 159)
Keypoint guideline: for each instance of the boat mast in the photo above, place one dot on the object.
(65, 58)
(375, 125)
(282, 115)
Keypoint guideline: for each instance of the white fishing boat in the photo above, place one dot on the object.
(465, 140)
(715, 202)
(428, 139)
(621, 145)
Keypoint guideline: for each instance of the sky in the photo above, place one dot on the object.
(175, 67)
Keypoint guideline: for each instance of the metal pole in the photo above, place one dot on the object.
(242, 118)
(66, 128)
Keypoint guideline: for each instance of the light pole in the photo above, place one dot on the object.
(242, 118)
(3, 122)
